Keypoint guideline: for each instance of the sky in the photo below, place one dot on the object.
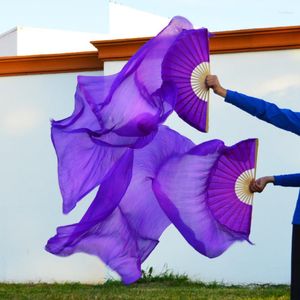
(92, 15)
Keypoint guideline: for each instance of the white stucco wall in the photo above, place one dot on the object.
(126, 22)
(28, 40)
(43, 41)
(8, 43)
(30, 203)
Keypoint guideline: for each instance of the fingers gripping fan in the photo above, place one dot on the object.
(228, 194)
(186, 65)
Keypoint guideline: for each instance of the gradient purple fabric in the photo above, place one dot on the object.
(115, 140)
(200, 197)
(124, 222)
(114, 111)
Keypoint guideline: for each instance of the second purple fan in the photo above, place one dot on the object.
(205, 193)
(186, 65)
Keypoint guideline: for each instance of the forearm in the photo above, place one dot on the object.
(221, 92)
(270, 179)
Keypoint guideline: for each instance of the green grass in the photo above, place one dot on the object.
(166, 285)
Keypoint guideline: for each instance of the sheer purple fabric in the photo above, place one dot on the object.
(124, 222)
(148, 175)
(114, 111)
(197, 192)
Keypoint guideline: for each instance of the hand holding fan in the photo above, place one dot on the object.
(186, 64)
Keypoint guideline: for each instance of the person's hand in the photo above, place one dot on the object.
(212, 81)
(258, 185)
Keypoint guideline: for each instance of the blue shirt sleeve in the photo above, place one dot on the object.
(287, 180)
(283, 118)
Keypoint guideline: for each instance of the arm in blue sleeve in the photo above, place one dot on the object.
(283, 118)
(287, 180)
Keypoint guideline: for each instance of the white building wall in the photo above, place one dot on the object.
(8, 43)
(45, 41)
(30, 203)
(126, 22)
(29, 41)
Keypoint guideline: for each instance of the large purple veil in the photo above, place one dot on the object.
(115, 140)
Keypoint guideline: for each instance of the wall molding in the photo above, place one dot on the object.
(233, 41)
(119, 49)
(50, 63)
(251, 40)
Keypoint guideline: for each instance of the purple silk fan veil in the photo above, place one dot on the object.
(113, 113)
(124, 222)
(114, 117)
(148, 175)
(165, 181)
(207, 197)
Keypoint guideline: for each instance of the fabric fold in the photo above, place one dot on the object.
(118, 111)
(124, 222)
(198, 192)
(148, 176)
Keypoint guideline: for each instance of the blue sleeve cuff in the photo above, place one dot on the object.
(287, 180)
(277, 180)
(229, 96)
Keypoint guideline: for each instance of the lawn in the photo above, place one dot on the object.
(166, 286)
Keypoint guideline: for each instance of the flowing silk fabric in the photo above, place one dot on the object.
(114, 139)
(124, 222)
(184, 190)
(113, 111)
